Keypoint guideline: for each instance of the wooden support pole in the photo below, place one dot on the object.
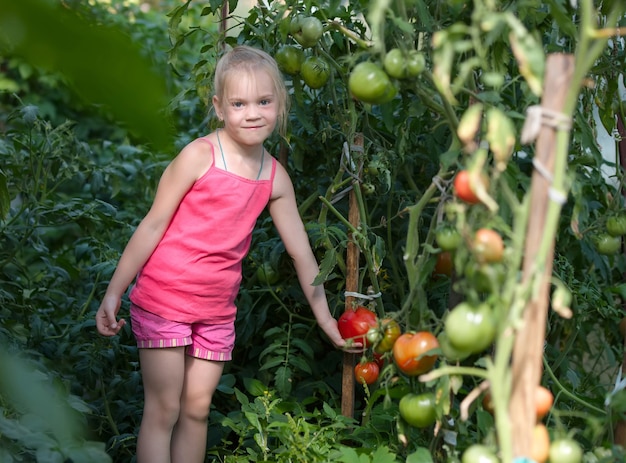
(352, 285)
(527, 359)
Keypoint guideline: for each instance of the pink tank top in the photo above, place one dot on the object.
(194, 273)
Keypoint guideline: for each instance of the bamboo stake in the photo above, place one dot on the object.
(528, 347)
(352, 285)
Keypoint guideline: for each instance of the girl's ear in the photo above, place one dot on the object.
(217, 107)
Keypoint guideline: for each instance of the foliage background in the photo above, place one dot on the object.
(75, 181)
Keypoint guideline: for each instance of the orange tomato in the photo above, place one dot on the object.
(409, 352)
(540, 446)
(543, 401)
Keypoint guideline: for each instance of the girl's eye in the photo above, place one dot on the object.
(237, 104)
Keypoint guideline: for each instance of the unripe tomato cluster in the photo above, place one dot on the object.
(297, 59)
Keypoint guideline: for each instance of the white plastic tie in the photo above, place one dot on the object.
(369, 297)
(536, 116)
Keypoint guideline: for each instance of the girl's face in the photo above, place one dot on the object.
(248, 107)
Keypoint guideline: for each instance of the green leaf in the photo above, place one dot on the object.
(283, 380)
(5, 200)
(421, 455)
(103, 65)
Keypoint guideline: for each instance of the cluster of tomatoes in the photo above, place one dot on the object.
(413, 353)
(609, 242)
(293, 59)
(371, 82)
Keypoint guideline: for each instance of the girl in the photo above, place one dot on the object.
(186, 255)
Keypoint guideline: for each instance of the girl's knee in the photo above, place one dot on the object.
(196, 408)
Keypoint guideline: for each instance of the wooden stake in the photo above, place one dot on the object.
(352, 284)
(527, 363)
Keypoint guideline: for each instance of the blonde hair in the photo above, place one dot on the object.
(249, 59)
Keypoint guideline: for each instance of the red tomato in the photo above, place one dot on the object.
(444, 264)
(409, 350)
(354, 324)
(463, 189)
(488, 246)
(366, 372)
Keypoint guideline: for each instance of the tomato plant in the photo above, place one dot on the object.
(369, 83)
(488, 246)
(306, 30)
(565, 450)
(448, 238)
(616, 225)
(289, 59)
(315, 71)
(390, 332)
(355, 324)
(410, 352)
(470, 329)
(463, 188)
(366, 372)
(418, 410)
(607, 244)
(478, 453)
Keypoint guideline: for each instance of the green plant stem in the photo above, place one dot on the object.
(451, 370)
(569, 394)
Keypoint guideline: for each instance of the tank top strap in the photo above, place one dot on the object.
(273, 169)
(206, 140)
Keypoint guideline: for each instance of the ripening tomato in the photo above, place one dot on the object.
(488, 246)
(416, 63)
(391, 331)
(410, 352)
(354, 324)
(267, 274)
(543, 401)
(366, 372)
(418, 410)
(464, 189)
(540, 445)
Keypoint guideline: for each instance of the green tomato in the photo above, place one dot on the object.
(450, 353)
(616, 225)
(478, 453)
(267, 274)
(565, 450)
(394, 63)
(289, 59)
(418, 410)
(415, 64)
(369, 83)
(315, 71)
(470, 329)
(448, 238)
(306, 30)
(608, 245)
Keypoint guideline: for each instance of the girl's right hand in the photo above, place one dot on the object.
(106, 321)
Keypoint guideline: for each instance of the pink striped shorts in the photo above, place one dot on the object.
(204, 341)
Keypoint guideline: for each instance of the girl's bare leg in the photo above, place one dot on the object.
(163, 372)
(190, 433)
